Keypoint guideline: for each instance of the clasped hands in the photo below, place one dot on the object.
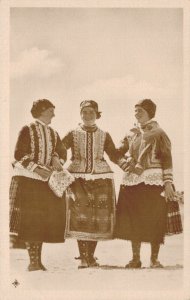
(130, 165)
(46, 172)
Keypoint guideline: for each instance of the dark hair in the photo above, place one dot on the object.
(39, 106)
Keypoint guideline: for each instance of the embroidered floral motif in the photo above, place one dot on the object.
(32, 142)
(49, 146)
(89, 154)
(41, 150)
(101, 166)
(37, 152)
(99, 141)
(103, 201)
(79, 137)
(87, 235)
(79, 164)
(60, 181)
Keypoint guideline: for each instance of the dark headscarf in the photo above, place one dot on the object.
(149, 106)
(91, 103)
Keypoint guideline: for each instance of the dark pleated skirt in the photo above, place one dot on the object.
(92, 215)
(141, 213)
(36, 214)
(14, 211)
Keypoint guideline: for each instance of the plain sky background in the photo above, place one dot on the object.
(115, 56)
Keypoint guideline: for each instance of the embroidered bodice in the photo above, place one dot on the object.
(87, 147)
(36, 145)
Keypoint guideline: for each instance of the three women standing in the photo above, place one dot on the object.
(141, 208)
(91, 214)
(38, 216)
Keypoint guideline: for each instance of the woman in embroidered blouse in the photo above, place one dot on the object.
(91, 213)
(36, 214)
(141, 209)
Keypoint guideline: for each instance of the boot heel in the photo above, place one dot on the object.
(133, 265)
(83, 264)
(156, 265)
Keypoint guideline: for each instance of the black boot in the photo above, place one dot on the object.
(154, 263)
(83, 250)
(135, 263)
(34, 252)
(91, 249)
(39, 254)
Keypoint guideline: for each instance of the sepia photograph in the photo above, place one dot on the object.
(96, 137)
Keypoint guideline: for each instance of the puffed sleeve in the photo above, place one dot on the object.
(122, 149)
(113, 153)
(163, 152)
(60, 150)
(124, 146)
(23, 153)
(67, 141)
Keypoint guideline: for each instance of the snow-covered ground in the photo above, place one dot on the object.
(111, 280)
(63, 273)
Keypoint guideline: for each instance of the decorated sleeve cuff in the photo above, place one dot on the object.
(32, 166)
(168, 175)
(122, 162)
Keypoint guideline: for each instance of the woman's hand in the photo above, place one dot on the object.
(56, 164)
(169, 190)
(127, 165)
(123, 164)
(45, 174)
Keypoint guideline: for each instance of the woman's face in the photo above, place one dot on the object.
(88, 115)
(47, 115)
(141, 115)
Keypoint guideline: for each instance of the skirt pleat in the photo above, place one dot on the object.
(174, 222)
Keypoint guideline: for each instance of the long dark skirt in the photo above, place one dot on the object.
(92, 215)
(141, 213)
(36, 214)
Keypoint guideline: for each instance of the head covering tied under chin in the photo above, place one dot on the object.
(39, 106)
(90, 103)
(149, 106)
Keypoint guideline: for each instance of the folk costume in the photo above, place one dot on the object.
(142, 209)
(91, 212)
(36, 214)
